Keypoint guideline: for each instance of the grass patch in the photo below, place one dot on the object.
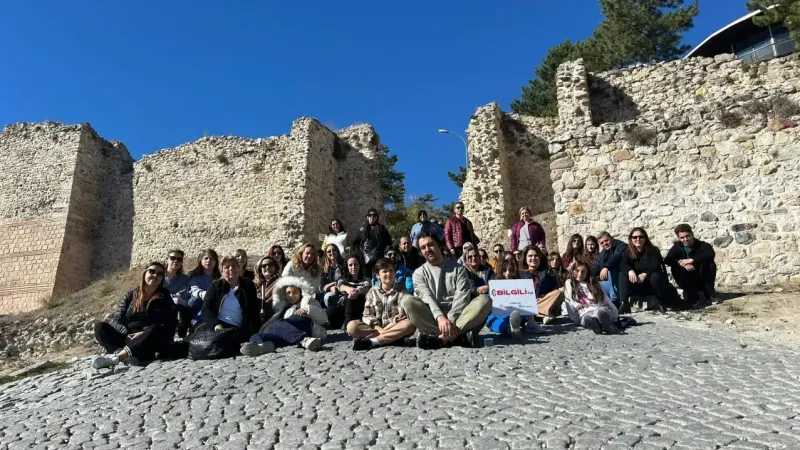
(784, 107)
(730, 119)
(56, 366)
(96, 300)
(637, 135)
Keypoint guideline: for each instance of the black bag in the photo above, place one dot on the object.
(212, 344)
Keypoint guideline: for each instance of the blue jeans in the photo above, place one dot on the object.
(611, 286)
(195, 310)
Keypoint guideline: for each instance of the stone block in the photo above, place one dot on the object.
(622, 155)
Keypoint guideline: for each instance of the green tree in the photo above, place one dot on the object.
(392, 181)
(403, 216)
(646, 31)
(632, 31)
(786, 11)
(539, 97)
(458, 178)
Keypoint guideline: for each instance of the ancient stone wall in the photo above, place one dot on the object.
(74, 207)
(709, 142)
(230, 192)
(59, 188)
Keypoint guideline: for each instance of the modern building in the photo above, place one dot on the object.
(746, 40)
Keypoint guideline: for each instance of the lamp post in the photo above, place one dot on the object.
(466, 147)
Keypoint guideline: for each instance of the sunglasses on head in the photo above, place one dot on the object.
(175, 258)
(155, 272)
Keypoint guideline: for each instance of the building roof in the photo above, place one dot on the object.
(723, 30)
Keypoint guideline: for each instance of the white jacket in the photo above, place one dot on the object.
(308, 302)
(339, 240)
(292, 270)
(577, 310)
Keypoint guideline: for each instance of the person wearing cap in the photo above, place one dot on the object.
(371, 241)
(424, 226)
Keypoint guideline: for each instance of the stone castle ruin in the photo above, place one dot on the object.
(75, 207)
(710, 142)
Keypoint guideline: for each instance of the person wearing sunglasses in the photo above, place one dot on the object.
(641, 273)
(142, 326)
(458, 230)
(267, 274)
(371, 241)
(177, 283)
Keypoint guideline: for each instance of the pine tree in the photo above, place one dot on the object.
(787, 12)
(391, 181)
(458, 178)
(632, 31)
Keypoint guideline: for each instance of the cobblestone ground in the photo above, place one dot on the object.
(659, 386)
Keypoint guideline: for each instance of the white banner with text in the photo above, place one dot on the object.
(510, 295)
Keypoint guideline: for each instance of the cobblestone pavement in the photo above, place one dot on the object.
(659, 386)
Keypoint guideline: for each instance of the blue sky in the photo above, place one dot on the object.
(157, 74)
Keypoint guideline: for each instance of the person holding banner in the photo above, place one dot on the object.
(586, 302)
(442, 310)
(511, 324)
(550, 298)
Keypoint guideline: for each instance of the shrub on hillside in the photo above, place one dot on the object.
(637, 135)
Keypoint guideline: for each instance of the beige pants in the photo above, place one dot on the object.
(386, 335)
(550, 304)
(473, 317)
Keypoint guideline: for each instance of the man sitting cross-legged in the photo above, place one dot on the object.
(443, 312)
(384, 322)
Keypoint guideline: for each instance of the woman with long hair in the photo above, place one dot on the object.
(200, 279)
(336, 236)
(241, 256)
(304, 265)
(641, 272)
(556, 268)
(545, 285)
(276, 252)
(586, 303)
(267, 274)
(142, 325)
(478, 274)
(332, 271)
(352, 289)
(591, 249)
(574, 250)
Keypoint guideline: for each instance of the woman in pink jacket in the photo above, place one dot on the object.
(527, 232)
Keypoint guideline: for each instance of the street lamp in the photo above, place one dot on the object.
(466, 147)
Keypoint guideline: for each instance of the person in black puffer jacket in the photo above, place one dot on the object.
(143, 324)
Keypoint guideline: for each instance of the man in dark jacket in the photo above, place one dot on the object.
(606, 267)
(231, 301)
(371, 241)
(693, 266)
(409, 255)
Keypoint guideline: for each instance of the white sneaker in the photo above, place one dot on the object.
(311, 344)
(547, 320)
(716, 300)
(533, 327)
(251, 349)
(103, 361)
(515, 323)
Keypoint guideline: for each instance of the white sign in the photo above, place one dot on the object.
(511, 295)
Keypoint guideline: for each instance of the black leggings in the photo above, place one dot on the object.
(344, 309)
(153, 339)
(655, 284)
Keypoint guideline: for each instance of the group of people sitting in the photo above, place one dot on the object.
(432, 284)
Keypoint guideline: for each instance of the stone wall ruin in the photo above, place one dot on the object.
(711, 142)
(74, 207)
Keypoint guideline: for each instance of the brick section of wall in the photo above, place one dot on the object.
(29, 257)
